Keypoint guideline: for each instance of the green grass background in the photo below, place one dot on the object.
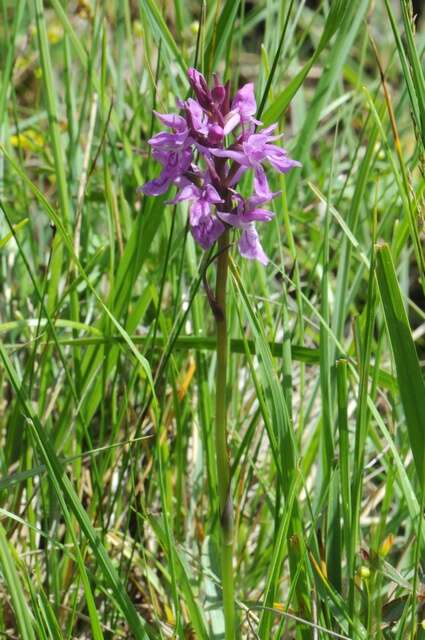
(108, 507)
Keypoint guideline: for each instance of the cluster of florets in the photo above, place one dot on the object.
(213, 143)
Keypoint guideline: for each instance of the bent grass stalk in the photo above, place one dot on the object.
(222, 453)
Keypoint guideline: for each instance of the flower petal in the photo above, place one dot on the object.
(231, 121)
(212, 195)
(200, 87)
(279, 159)
(167, 140)
(207, 231)
(159, 185)
(199, 210)
(258, 215)
(268, 130)
(250, 245)
(196, 116)
(187, 193)
(233, 219)
(238, 156)
(218, 93)
(261, 186)
(237, 176)
(215, 134)
(172, 120)
(253, 201)
(244, 101)
(255, 147)
(242, 219)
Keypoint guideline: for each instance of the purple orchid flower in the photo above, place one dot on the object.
(206, 228)
(203, 128)
(172, 150)
(248, 210)
(247, 213)
(242, 111)
(207, 231)
(203, 131)
(175, 164)
(251, 152)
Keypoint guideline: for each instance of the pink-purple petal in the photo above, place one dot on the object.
(187, 193)
(268, 130)
(215, 134)
(200, 87)
(207, 231)
(250, 245)
(212, 195)
(157, 186)
(197, 117)
(261, 185)
(242, 218)
(168, 140)
(282, 163)
(238, 156)
(237, 176)
(255, 200)
(258, 215)
(232, 219)
(218, 94)
(244, 101)
(172, 120)
(231, 121)
(199, 209)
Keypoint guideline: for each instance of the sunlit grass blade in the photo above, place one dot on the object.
(220, 34)
(413, 73)
(409, 374)
(24, 618)
(161, 31)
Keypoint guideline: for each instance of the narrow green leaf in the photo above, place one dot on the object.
(333, 22)
(162, 33)
(409, 375)
(16, 227)
(23, 617)
(220, 34)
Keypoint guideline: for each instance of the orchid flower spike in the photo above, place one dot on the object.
(213, 142)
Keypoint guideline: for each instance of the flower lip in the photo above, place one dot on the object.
(248, 210)
(250, 245)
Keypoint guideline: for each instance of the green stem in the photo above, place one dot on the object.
(222, 454)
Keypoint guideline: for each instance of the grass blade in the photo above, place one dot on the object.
(409, 375)
(23, 617)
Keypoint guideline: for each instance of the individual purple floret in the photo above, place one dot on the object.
(206, 228)
(212, 143)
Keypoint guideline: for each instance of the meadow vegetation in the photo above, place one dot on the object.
(109, 521)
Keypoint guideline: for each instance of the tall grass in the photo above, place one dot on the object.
(108, 480)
